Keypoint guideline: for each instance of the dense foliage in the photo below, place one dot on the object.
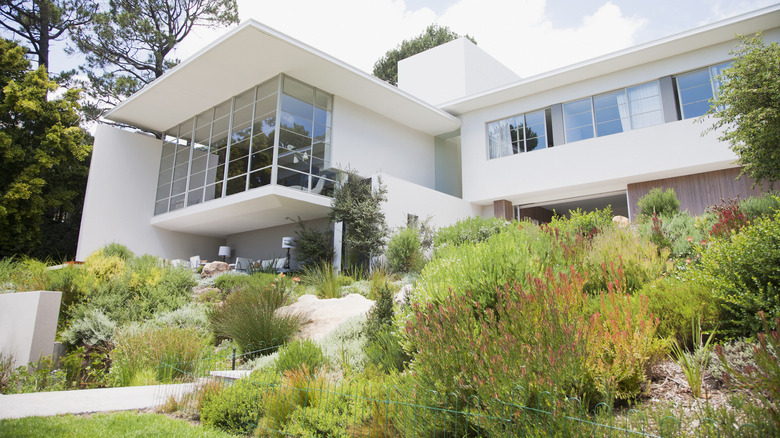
(746, 108)
(358, 206)
(386, 68)
(44, 154)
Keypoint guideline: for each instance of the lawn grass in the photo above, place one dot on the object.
(120, 424)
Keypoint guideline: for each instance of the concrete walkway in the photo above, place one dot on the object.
(44, 404)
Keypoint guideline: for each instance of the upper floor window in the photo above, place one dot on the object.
(521, 133)
(610, 113)
(695, 89)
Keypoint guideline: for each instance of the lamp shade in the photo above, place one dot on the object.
(224, 251)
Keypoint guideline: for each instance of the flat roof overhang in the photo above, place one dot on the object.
(252, 53)
(705, 36)
(254, 209)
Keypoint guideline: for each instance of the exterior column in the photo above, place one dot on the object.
(338, 231)
(502, 209)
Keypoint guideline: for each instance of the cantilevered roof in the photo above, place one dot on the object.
(705, 36)
(252, 53)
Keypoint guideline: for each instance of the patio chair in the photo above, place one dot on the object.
(195, 262)
(243, 264)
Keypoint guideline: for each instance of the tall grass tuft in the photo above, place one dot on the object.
(694, 364)
(324, 280)
(144, 354)
(250, 316)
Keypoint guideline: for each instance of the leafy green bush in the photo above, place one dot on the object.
(680, 234)
(236, 408)
(676, 302)
(344, 347)
(658, 201)
(385, 352)
(404, 251)
(167, 353)
(522, 249)
(743, 271)
(764, 379)
(313, 247)
(582, 223)
(117, 249)
(22, 275)
(471, 230)
(228, 283)
(192, 315)
(381, 314)
(760, 206)
(249, 316)
(297, 354)
(37, 376)
(621, 255)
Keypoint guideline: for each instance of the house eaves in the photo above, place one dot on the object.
(252, 53)
(709, 35)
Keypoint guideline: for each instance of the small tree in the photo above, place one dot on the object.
(386, 68)
(747, 107)
(658, 202)
(312, 246)
(358, 206)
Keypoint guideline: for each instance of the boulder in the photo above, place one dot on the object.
(214, 268)
(621, 221)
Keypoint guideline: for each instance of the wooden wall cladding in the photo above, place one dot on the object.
(698, 191)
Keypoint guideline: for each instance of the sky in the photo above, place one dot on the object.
(528, 36)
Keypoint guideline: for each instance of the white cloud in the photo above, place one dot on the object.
(516, 32)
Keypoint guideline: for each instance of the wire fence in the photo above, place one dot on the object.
(299, 404)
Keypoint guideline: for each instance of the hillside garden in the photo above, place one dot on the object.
(667, 326)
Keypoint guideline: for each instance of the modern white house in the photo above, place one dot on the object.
(256, 126)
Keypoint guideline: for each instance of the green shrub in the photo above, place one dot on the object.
(37, 376)
(313, 247)
(297, 354)
(87, 367)
(385, 352)
(249, 317)
(236, 408)
(764, 379)
(511, 256)
(676, 302)
(192, 315)
(404, 251)
(679, 233)
(22, 275)
(117, 249)
(325, 281)
(94, 328)
(658, 201)
(169, 353)
(228, 283)
(760, 206)
(743, 271)
(582, 223)
(623, 256)
(381, 314)
(471, 230)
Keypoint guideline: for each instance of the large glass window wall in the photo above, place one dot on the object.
(238, 146)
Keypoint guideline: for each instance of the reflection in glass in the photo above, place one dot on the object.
(233, 152)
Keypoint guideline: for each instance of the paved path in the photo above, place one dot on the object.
(89, 400)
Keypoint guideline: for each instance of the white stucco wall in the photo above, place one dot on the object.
(28, 323)
(451, 71)
(371, 143)
(119, 200)
(405, 198)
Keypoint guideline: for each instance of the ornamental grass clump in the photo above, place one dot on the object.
(251, 317)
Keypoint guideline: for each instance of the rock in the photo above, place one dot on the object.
(621, 221)
(214, 268)
(402, 295)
